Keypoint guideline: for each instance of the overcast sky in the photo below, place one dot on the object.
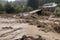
(7, 0)
(13, 0)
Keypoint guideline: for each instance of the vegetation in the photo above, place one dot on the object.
(30, 5)
(9, 8)
(1, 8)
(17, 8)
(33, 3)
(57, 11)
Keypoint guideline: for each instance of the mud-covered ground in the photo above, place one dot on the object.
(14, 27)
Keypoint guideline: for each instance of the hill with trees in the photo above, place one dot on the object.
(23, 5)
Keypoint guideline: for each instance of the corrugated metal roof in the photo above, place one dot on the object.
(49, 5)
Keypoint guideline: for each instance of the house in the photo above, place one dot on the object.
(47, 5)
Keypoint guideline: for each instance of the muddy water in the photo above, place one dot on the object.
(20, 29)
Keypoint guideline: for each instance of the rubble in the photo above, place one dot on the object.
(7, 27)
(30, 38)
(46, 26)
(57, 28)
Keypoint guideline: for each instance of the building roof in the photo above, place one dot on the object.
(49, 5)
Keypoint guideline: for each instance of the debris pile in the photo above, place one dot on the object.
(7, 27)
(30, 38)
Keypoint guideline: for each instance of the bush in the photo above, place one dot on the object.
(9, 8)
(58, 11)
(1, 9)
(2, 12)
(28, 9)
(58, 5)
(17, 8)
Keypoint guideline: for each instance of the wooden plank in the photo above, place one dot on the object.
(35, 11)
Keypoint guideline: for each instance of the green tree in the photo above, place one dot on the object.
(17, 8)
(9, 8)
(33, 3)
(57, 11)
(1, 8)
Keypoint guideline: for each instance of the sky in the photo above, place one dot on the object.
(10, 0)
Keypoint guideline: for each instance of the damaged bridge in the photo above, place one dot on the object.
(36, 11)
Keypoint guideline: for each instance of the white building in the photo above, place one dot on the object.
(49, 5)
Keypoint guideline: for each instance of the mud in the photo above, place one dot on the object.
(34, 27)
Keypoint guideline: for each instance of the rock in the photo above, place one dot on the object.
(39, 38)
(30, 38)
(18, 39)
(57, 28)
(7, 27)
